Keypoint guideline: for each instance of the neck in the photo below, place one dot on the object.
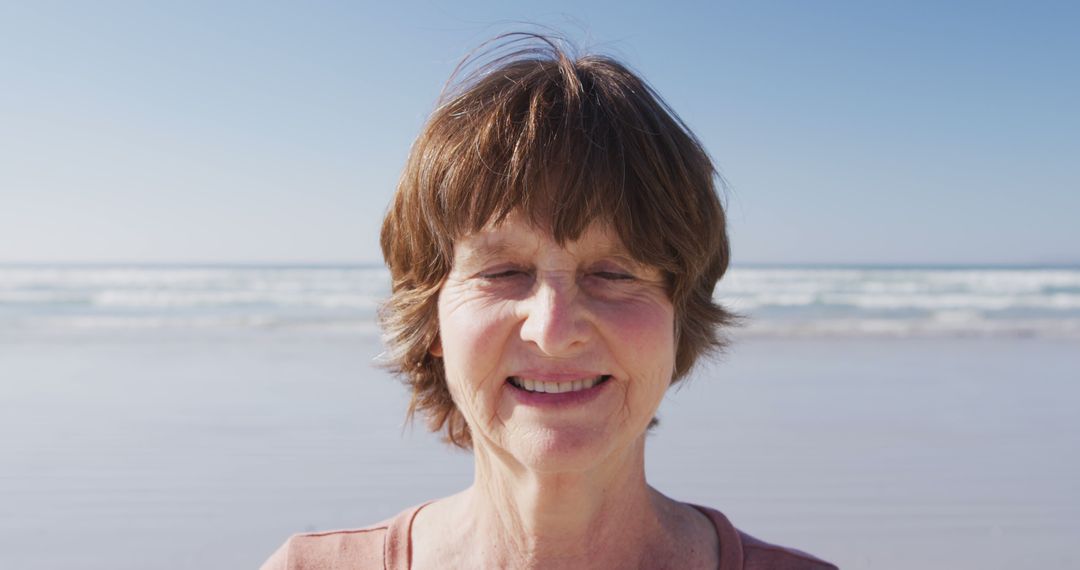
(604, 517)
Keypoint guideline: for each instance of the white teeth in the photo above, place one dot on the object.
(556, 387)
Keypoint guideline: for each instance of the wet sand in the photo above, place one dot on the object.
(182, 451)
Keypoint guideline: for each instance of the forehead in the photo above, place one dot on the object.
(516, 236)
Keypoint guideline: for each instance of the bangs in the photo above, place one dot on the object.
(545, 152)
(567, 144)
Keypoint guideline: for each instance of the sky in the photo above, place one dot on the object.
(274, 132)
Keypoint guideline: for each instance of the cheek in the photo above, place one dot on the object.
(643, 344)
(472, 339)
(645, 335)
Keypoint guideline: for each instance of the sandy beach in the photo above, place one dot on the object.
(198, 450)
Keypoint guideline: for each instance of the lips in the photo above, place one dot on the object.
(562, 386)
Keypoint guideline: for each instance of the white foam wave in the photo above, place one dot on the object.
(779, 301)
(151, 299)
(960, 326)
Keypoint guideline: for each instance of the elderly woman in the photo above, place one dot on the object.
(554, 243)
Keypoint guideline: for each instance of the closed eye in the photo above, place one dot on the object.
(613, 275)
(502, 274)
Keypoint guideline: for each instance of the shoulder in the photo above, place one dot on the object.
(381, 545)
(758, 554)
(351, 548)
(740, 550)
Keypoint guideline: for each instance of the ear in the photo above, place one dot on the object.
(436, 348)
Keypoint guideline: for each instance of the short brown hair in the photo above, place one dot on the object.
(567, 141)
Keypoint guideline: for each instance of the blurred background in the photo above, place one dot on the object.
(190, 197)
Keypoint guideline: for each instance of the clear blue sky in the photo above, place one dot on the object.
(922, 132)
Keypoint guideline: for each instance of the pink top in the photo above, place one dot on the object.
(387, 545)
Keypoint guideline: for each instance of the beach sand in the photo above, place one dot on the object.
(148, 451)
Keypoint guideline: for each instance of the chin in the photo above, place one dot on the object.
(550, 449)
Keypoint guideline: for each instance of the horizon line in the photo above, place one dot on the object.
(379, 264)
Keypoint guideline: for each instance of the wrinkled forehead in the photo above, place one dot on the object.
(516, 234)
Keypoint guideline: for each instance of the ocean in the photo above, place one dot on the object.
(779, 301)
(195, 416)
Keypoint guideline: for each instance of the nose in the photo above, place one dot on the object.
(554, 319)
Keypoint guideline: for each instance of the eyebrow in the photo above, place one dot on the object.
(493, 248)
(485, 250)
(623, 256)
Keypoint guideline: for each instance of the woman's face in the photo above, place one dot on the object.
(557, 356)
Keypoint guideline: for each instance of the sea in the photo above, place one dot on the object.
(779, 301)
(193, 416)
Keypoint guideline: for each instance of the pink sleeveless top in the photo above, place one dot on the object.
(387, 546)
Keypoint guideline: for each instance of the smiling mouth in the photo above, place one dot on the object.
(531, 385)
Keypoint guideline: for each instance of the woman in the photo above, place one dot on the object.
(554, 243)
